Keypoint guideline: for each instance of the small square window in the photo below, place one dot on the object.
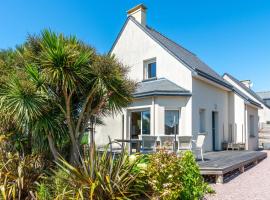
(150, 70)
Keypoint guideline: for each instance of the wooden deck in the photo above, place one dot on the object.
(221, 163)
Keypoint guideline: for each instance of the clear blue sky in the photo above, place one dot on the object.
(229, 35)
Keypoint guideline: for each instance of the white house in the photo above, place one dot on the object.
(177, 91)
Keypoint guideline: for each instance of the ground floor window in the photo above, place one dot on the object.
(140, 123)
(202, 128)
(171, 122)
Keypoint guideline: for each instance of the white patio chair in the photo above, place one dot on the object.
(148, 143)
(167, 142)
(184, 143)
(199, 145)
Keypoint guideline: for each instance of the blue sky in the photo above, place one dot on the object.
(229, 35)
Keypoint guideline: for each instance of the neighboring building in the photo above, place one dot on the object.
(177, 91)
(265, 96)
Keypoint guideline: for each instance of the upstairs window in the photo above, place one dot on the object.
(150, 69)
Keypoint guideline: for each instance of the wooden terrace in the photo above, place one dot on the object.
(221, 163)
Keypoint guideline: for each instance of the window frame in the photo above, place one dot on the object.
(202, 124)
(178, 123)
(141, 111)
(146, 68)
(252, 126)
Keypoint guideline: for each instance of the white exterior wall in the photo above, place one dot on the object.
(264, 113)
(239, 121)
(135, 46)
(210, 98)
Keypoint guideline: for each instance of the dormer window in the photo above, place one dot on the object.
(150, 70)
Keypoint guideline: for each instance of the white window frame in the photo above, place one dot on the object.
(140, 110)
(145, 68)
(179, 117)
(202, 124)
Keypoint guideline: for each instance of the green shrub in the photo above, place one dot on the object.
(192, 181)
(173, 177)
(165, 175)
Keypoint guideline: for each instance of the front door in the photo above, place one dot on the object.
(214, 130)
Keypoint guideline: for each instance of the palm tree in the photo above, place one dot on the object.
(72, 76)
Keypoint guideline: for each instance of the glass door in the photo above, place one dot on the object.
(140, 123)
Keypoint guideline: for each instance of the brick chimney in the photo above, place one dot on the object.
(139, 13)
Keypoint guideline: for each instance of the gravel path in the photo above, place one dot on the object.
(254, 184)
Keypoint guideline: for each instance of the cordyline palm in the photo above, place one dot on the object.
(82, 83)
(26, 110)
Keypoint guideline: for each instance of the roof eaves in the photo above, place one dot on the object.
(119, 34)
(245, 88)
(160, 43)
(205, 75)
(162, 93)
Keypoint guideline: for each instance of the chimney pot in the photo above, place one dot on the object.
(139, 13)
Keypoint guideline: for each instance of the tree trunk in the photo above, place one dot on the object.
(29, 143)
(74, 154)
(52, 146)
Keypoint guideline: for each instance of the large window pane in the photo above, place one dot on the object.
(171, 122)
(146, 122)
(140, 123)
(152, 70)
(135, 125)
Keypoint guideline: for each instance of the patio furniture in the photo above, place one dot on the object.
(167, 142)
(199, 145)
(235, 146)
(184, 143)
(136, 142)
(148, 144)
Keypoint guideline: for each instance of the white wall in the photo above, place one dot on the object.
(134, 46)
(264, 113)
(239, 119)
(210, 98)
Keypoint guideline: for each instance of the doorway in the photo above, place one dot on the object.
(140, 123)
(214, 129)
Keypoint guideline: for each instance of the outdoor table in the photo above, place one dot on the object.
(138, 143)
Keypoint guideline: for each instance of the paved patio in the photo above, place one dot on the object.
(253, 184)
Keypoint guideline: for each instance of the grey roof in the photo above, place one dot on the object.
(159, 87)
(180, 53)
(250, 91)
(264, 95)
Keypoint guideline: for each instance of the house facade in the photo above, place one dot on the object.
(177, 93)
